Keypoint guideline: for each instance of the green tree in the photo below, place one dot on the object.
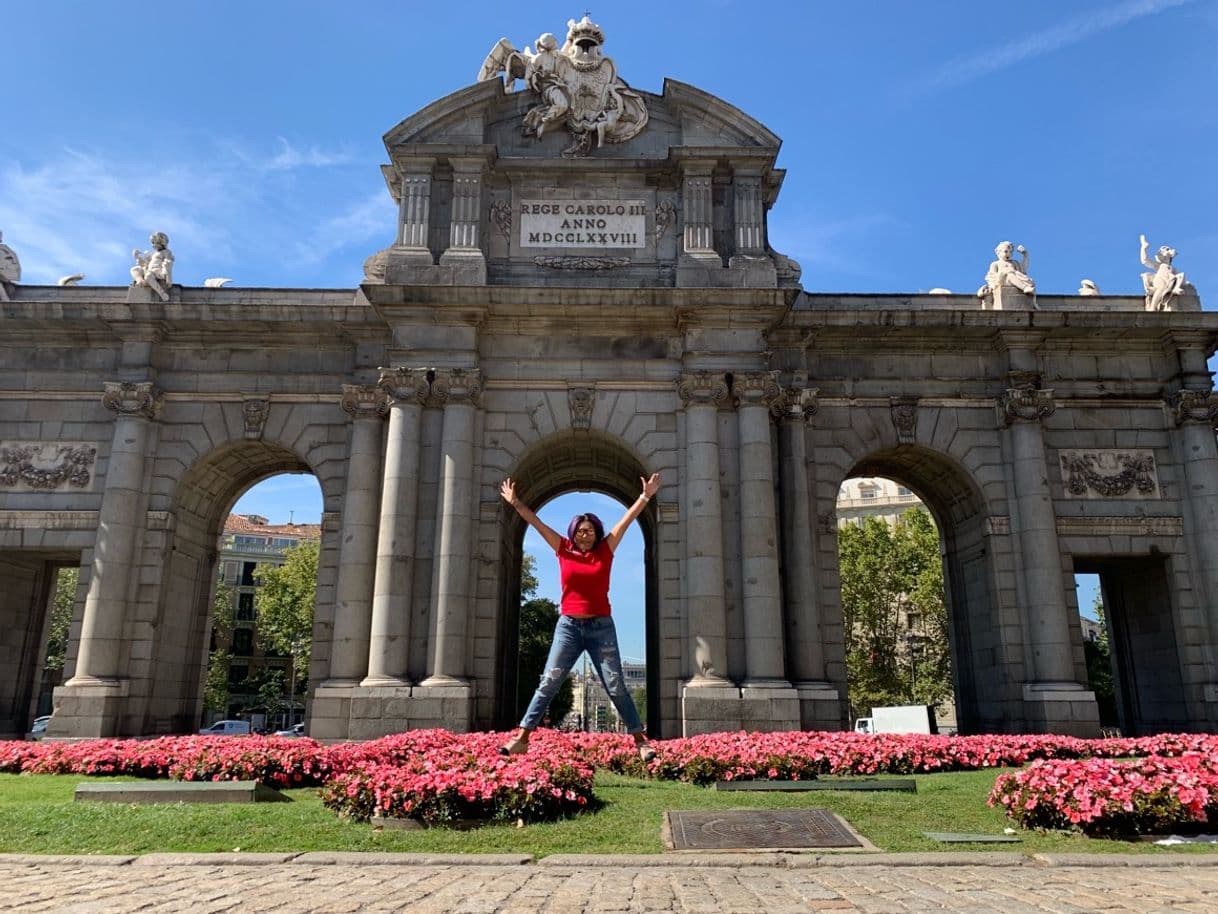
(1098, 657)
(215, 685)
(894, 612)
(284, 604)
(538, 616)
(63, 601)
(640, 701)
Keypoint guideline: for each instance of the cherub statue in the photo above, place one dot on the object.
(10, 268)
(154, 269)
(1165, 283)
(1088, 287)
(1006, 271)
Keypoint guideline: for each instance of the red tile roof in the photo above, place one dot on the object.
(249, 524)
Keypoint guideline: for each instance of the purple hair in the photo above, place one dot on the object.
(591, 518)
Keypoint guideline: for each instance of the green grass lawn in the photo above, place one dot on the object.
(38, 815)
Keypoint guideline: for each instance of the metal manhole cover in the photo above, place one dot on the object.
(751, 829)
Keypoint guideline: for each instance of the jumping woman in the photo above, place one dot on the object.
(585, 557)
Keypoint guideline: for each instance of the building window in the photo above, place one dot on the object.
(238, 674)
(247, 574)
(867, 491)
(245, 607)
(901, 490)
(228, 572)
(243, 642)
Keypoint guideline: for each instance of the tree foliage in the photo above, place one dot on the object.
(63, 602)
(895, 612)
(538, 616)
(284, 604)
(215, 684)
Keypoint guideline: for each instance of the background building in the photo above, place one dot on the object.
(247, 542)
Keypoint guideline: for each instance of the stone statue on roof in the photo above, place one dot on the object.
(1006, 272)
(1166, 283)
(577, 85)
(10, 268)
(154, 269)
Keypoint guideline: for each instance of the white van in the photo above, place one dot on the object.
(227, 728)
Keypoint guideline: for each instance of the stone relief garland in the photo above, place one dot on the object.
(581, 263)
(1110, 474)
(24, 463)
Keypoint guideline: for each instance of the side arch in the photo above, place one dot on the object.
(986, 668)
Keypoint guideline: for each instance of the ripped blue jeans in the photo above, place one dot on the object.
(572, 637)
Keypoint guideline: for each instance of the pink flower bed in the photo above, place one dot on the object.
(439, 778)
(1104, 797)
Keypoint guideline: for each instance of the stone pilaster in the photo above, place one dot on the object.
(709, 700)
(414, 210)
(819, 703)
(89, 703)
(392, 593)
(750, 212)
(697, 193)
(357, 540)
(464, 251)
(1053, 699)
(459, 390)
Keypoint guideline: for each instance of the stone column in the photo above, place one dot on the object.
(1194, 410)
(703, 393)
(464, 252)
(414, 212)
(459, 390)
(1023, 407)
(118, 527)
(357, 540)
(755, 393)
(392, 594)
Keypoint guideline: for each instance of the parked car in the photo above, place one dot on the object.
(39, 728)
(297, 730)
(227, 728)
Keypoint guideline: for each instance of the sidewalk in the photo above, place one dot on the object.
(765, 883)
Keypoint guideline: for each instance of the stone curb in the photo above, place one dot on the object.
(221, 859)
(621, 861)
(347, 858)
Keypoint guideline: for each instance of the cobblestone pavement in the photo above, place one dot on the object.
(703, 884)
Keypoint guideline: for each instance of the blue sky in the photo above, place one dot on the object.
(916, 135)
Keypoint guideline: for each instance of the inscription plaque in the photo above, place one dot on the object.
(582, 223)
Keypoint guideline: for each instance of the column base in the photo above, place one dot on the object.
(372, 711)
(709, 708)
(467, 266)
(1061, 707)
(769, 707)
(87, 707)
(820, 706)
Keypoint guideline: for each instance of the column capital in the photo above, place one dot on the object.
(455, 385)
(1025, 404)
(364, 401)
(703, 388)
(797, 404)
(404, 385)
(757, 388)
(129, 398)
(1193, 406)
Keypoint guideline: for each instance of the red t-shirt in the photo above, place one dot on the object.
(585, 579)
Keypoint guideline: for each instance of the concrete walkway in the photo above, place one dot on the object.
(562, 884)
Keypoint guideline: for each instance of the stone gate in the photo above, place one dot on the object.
(582, 291)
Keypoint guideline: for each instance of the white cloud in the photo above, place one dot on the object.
(1078, 28)
(83, 211)
(832, 245)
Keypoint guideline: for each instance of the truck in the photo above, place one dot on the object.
(898, 719)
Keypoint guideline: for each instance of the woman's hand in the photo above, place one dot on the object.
(650, 486)
(508, 490)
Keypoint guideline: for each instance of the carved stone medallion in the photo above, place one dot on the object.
(905, 418)
(581, 401)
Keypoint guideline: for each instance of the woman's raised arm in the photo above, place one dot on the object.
(650, 487)
(508, 490)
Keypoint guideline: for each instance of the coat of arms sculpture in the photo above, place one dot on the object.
(579, 88)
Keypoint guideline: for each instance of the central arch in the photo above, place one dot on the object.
(574, 460)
